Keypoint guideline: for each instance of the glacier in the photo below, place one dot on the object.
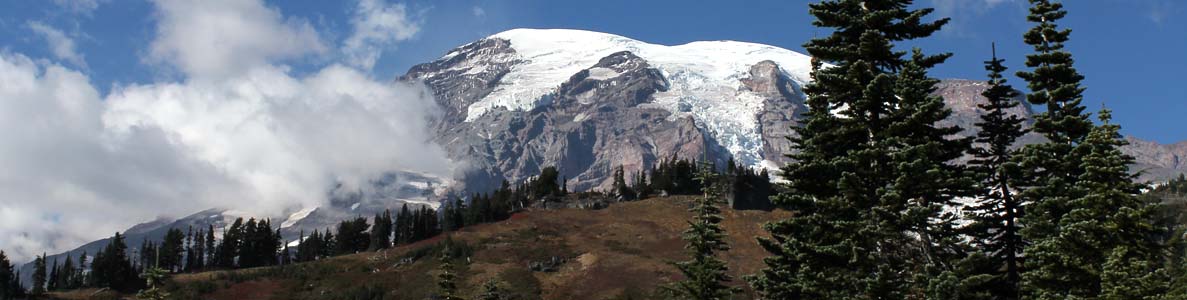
(704, 77)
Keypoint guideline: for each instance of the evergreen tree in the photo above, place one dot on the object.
(995, 225)
(491, 291)
(705, 274)
(381, 232)
(8, 280)
(403, 226)
(1109, 224)
(353, 236)
(621, 189)
(445, 281)
(873, 167)
(112, 268)
(65, 275)
(228, 248)
(172, 250)
(38, 276)
(152, 277)
(210, 248)
(1052, 169)
(51, 283)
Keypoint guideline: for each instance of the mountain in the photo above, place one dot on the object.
(589, 102)
(389, 192)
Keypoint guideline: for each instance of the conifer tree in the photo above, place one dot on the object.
(51, 283)
(1051, 169)
(995, 225)
(858, 161)
(445, 281)
(38, 276)
(705, 274)
(1108, 224)
(8, 279)
(491, 291)
(153, 276)
(112, 268)
(210, 248)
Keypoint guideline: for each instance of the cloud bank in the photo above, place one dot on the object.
(238, 131)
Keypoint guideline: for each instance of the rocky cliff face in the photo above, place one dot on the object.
(627, 103)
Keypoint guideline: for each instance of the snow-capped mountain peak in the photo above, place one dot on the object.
(704, 77)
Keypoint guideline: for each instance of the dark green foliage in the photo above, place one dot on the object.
(352, 236)
(1108, 224)
(381, 232)
(994, 227)
(446, 286)
(491, 291)
(621, 189)
(705, 274)
(260, 244)
(674, 176)
(750, 188)
(873, 169)
(171, 251)
(38, 276)
(112, 268)
(546, 184)
(10, 284)
(228, 248)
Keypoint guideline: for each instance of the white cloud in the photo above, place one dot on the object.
(377, 26)
(60, 44)
(241, 133)
(478, 12)
(85, 7)
(222, 38)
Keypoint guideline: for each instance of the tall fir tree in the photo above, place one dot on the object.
(491, 291)
(704, 273)
(995, 217)
(446, 285)
(857, 160)
(1108, 224)
(9, 285)
(39, 274)
(1051, 169)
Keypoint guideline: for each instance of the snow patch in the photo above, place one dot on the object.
(601, 73)
(297, 216)
(355, 206)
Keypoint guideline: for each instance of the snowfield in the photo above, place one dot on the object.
(705, 78)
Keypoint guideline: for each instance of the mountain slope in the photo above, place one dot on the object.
(621, 252)
(589, 102)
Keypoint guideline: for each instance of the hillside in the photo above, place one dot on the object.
(620, 252)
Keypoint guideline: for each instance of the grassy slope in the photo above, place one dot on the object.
(621, 252)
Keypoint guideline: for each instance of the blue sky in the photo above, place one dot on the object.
(1132, 51)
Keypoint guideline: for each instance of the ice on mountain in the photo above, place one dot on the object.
(705, 78)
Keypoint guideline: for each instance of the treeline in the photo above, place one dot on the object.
(747, 188)
(10, 280)
(256, 243)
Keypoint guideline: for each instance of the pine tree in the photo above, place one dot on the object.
(705, 274)
(858, 160)
(172, 248)
(8, 286)
(491, 291)
(210, 248)
(51, 283)
(445, 281)
(38, 276)
(112, 268)
(152, 277)
(995, 225)
(1051, 169)
(1109, 224)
